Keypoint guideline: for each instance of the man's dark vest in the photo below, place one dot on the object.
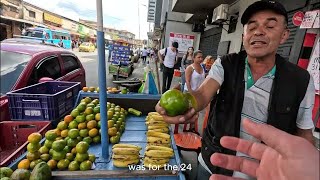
(287, 92)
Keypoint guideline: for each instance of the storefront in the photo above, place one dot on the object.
(52, 20)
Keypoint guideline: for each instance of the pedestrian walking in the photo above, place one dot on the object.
(168, 57)
(144, 55)
(255, 84)
(187, 59)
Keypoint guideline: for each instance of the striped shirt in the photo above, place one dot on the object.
(256, 100)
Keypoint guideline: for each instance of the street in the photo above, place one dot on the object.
(89, 61)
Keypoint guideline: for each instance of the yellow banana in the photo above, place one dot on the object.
(156, 123)
(126, 146)
(152, 147)
(151, 127)
(158, 134)
(125, 157)
(159, 153)
(151, 139)
(153, 113)
(158, 161)
(158, 144)
(125, 151)
(163, 130)
(126, 163)
(157, 117)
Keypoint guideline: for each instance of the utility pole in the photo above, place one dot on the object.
(102, 82)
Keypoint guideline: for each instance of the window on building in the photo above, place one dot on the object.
(13, 9)
(32, 14)
(233, 23)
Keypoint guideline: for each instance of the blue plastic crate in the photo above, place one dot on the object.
(44, 101)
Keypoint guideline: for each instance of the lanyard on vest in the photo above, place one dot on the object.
(250, 79)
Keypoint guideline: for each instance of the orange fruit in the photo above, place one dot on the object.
(57, 131)
(34, 138)
(112, 131)
(73, 150)
(64, 133)
(92, 89)
(24, 164)
(97, 117)
(92, 124)
(93, 132)
(110, 123)
(68, 119)
(85, 89)
(52, 164)
(82, 125)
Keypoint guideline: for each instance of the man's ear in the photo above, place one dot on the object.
(285, 36)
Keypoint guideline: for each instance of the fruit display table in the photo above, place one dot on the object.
(135, 134)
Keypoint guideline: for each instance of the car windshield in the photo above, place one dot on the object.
(12, 64)
(34, 33)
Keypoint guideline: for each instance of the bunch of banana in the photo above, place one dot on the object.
(154, 121)
(157, 155)
(125, 155)
(158, 130)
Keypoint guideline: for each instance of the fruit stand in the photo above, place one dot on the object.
(120, 57)
(136, 133)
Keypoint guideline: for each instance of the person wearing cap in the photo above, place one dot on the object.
(168, 58)
(257, 84)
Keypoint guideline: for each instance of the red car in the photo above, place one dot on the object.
(24, 64)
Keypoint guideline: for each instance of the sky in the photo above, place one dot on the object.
(118, 14)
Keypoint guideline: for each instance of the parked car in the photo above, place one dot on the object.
(25, 64)
(87, 47)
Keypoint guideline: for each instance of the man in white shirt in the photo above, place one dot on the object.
(168, 57)
(144, 55)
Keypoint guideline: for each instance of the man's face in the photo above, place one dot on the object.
(263, 33)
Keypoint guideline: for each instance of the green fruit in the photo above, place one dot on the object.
(86, 165)
(5, 178)
(96, 109)
(34, 163)
(41, 172)
(58, 155)
(45, 157)
(73, 133)
(74, 113)
(96, 139)
(48, 144)
(62, 125)
(67, 149)
(90, 117)
(82, 157)
(73, 125)
(51, 152)
(82, 147)
(174, 102)
(74, 166)
(20, 174)
(33, 147)
(5, 172)
(70, 156)
(72, 142)
(33, 156)
(44, 150)
(92, 158)
(124, 91)
(58, 145)
(63, 164)
(51, 135)
(87, 139)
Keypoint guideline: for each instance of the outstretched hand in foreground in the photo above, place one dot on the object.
(282, 157)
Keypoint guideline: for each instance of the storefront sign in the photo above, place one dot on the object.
(83, 30)
(314, 65)
(309, 19)
(184, 40)
(297, 18)
(51, 18)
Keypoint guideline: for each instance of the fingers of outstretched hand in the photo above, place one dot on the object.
(189, 116)
(273, 137)
(255, 150)
(235, 163)
(222, 177)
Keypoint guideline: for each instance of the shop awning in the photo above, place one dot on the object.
(22, 21)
